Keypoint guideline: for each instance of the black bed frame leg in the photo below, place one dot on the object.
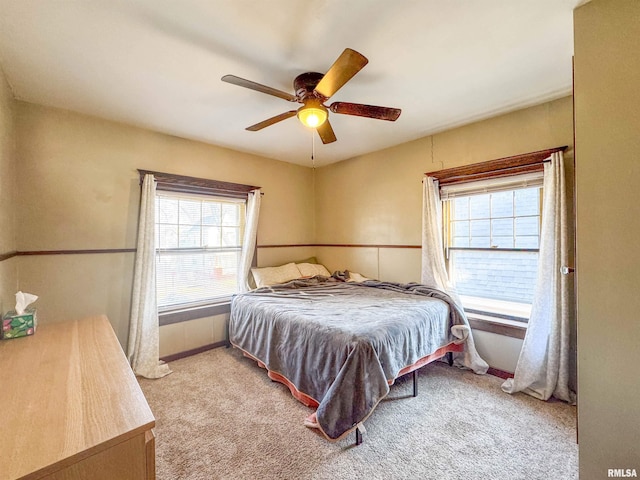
(415, 383)
(358, 437)
(450, 358)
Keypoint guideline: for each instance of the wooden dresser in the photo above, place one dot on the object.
(71, 407)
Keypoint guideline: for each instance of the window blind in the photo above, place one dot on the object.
(491, 185)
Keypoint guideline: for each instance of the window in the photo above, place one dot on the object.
(492, 241)
(199, 233)
(199, 243)
(491, 230)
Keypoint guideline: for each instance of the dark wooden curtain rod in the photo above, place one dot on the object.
(180, 183)
(517, 164)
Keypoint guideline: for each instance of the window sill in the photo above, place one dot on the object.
(499, 309)
(508, 328)
(192, 313)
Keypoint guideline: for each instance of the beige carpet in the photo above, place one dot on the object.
(219, 416)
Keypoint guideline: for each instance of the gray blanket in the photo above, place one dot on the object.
(342, 343)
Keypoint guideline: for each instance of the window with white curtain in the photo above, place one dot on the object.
(198, 245)
(492, 239)
(199, 232)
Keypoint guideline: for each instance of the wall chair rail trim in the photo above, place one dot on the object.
(76, 252)
(8, 255)
(341, 245)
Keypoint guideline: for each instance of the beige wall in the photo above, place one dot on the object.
(8, 267)
(376, 199)
(272, 256)
(78, 189)
(607, 99)
(189, 335)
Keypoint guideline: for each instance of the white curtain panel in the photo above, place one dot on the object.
(143, 347)
(543, 366)
(249, 243)
(434, 271)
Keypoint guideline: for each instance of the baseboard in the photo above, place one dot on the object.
(193, 351)
(496, 372)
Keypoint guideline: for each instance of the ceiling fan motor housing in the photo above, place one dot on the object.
(305, 83)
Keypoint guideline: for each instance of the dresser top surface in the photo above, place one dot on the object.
(66, 392)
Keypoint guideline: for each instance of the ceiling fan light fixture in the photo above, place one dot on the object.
(313, 114)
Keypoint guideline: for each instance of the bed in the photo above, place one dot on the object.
(339, 345)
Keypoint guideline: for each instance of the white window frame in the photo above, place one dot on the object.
(204, 250)
(502, 311)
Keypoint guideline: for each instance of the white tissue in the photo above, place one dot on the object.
(23, 300)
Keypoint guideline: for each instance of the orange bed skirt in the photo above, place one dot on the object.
(313, 403)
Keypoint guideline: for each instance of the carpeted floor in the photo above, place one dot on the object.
(220, 417)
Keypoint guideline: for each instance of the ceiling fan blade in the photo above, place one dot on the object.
(272, 120)
(326, 133)
(343, 69)
(369, 111)
(241, 82)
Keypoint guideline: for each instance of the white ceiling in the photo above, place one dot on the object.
(158, 64)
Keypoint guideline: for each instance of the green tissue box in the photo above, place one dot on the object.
(14, 325)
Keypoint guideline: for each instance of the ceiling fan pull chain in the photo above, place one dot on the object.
(313, 150)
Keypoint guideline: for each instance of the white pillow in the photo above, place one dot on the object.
(312, 269)
(356, 277)
(266, 276)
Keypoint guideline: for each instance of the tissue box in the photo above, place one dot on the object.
(14, 325)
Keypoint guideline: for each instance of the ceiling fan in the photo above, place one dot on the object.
(313, 89)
